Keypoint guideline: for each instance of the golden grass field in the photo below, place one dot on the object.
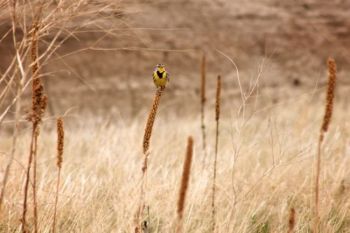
(265, 167)
(94, 60)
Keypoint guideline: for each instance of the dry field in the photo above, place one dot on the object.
(93, 60)
(265, 167)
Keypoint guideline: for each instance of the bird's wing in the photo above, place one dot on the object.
(154, 75)
(167, 76)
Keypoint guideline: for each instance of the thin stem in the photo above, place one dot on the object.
(26, 183)
(35, 203)
(317, 185)
(56, 200)
(217, 119)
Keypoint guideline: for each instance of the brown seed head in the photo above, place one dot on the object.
(330, 94)
(34, 50)
(185, 178)
(291, 220)
(60, 142)
(39, 100)
(150, 121)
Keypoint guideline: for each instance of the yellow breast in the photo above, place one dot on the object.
(159, 80)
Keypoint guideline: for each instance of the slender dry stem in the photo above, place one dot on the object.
(186, 172)
(26, 185)
(203, 101)
(217, 119)
(325, 125)
(38, 92)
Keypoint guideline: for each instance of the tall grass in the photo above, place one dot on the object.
(98, 193)
(217, 120)
(203, 101)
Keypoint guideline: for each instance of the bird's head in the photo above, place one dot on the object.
(160, 68)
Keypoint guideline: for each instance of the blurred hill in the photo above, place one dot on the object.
(107, 63)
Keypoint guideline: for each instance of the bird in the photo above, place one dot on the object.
(160, 76)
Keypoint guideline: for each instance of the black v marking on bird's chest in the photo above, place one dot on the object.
(160, 75)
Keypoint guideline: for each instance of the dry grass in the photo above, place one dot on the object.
(261, 167)
(217, 131)
(102, 170)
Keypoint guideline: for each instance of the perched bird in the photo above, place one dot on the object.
(160, 76)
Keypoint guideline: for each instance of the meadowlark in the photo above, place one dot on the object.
(160, 76)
